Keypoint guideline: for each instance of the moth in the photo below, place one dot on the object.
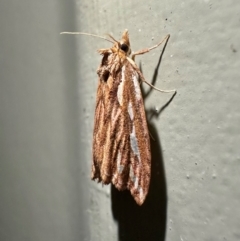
(121, 141)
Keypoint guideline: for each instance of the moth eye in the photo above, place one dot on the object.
(124, 48)
(105, 75)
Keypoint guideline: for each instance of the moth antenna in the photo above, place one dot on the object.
(90, 34)
(110, 36)
(164, 91)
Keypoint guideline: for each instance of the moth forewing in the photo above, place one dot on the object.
(121, 143)
(140, 162)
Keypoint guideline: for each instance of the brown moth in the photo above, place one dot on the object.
(121, 142)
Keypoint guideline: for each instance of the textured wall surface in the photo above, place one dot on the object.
(47, 99)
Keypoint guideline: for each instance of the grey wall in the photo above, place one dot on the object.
(47, 94)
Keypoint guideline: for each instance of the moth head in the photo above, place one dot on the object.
(124, 44)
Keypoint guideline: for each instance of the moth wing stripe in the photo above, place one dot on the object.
(119, 166)
(136, 86)
(120, 87)
(134, 143)
(130, 110)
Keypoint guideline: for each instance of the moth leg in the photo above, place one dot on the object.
(164, 91)
(104, 51)
(143, 51)
(142, 79)
(151, 135)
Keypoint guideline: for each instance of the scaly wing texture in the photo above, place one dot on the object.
(121, 146)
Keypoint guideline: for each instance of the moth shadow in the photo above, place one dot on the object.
(146, 222)
(155, 74)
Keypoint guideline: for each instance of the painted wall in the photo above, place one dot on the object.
(47, 99)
